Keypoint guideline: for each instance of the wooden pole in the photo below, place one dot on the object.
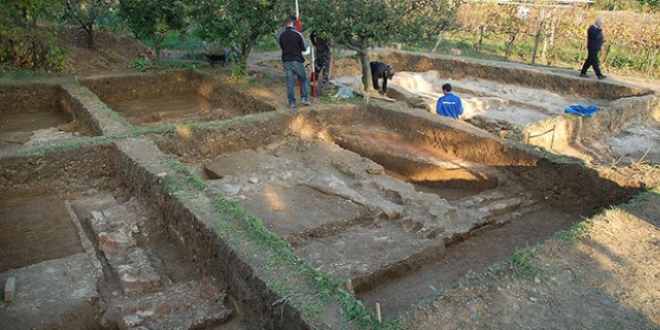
(380, 317)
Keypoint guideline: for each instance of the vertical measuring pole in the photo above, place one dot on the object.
(299, 26)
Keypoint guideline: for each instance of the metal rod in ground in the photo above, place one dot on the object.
(380, 317)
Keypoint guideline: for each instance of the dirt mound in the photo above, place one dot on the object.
(111, 53)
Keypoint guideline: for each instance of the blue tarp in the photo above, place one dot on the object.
(581, 110)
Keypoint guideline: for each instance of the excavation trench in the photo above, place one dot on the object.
(94, 241)
(174, 98)
(395, 200)
(40, 114)
(520, 102)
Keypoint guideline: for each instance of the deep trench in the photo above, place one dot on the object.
(472, 253)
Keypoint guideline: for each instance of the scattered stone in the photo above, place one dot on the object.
(537, 280)
(161, 174)
(532, 299)
(189, 305)
(10, 289)
(376, 170)
(253, 180)
(17, 137)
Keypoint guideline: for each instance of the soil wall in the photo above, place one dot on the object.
(459, 68)
(32, 98)
(565, 130)
(59, 172)
(88, 123)
(233, 135)
(565, 183)
(221, 90)
(123, 87)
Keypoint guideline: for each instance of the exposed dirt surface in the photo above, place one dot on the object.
(607, 279)
(637, 144)
(177, 109)
(35, 114)
(34, 230)
(391, 237)
(180, 97)
(111, 52)
(488, 102)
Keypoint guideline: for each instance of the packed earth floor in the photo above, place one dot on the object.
(186, 200)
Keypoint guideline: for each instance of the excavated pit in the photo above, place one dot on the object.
(488, 103)
(174, 98)
(392, 199)
(95, 242)
(524, 102)
(40, 114)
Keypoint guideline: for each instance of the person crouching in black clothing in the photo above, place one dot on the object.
(381, 70)
(322, 62)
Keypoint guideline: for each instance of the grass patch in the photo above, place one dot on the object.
(644, 196)
(21, 73)
(520, 263)
(177, 40)
(571, 235)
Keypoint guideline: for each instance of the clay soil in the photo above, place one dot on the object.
(606, 279)
(177, 109)
(35, 229)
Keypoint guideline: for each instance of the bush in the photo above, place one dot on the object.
(30, 48)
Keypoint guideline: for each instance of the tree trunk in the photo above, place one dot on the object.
(538, 35)
(481, 38)
(441, 36)
(157, 43)
(507, 53)
(364, 60)
(90, 35)
(550, 58)
(246, 49)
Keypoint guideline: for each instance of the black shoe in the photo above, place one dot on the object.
(584, 75)
(601, 77)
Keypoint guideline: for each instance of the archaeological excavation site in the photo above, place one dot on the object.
(184, 200)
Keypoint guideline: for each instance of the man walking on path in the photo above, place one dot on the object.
(293, 45)
(449, 105)
(594, 43)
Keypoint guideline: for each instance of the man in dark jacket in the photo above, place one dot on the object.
(381, 70)
(594, 43)
(293, 45)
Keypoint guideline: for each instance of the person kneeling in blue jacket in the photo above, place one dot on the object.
(449, 105)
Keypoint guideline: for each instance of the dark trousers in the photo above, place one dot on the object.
(592, 60)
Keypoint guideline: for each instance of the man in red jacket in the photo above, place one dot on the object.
(595, 41)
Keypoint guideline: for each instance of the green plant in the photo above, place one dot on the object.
(237, 24)
(153, 19)
(520, 262)
(572, 234)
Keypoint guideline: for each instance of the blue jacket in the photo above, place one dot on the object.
(450, 106)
